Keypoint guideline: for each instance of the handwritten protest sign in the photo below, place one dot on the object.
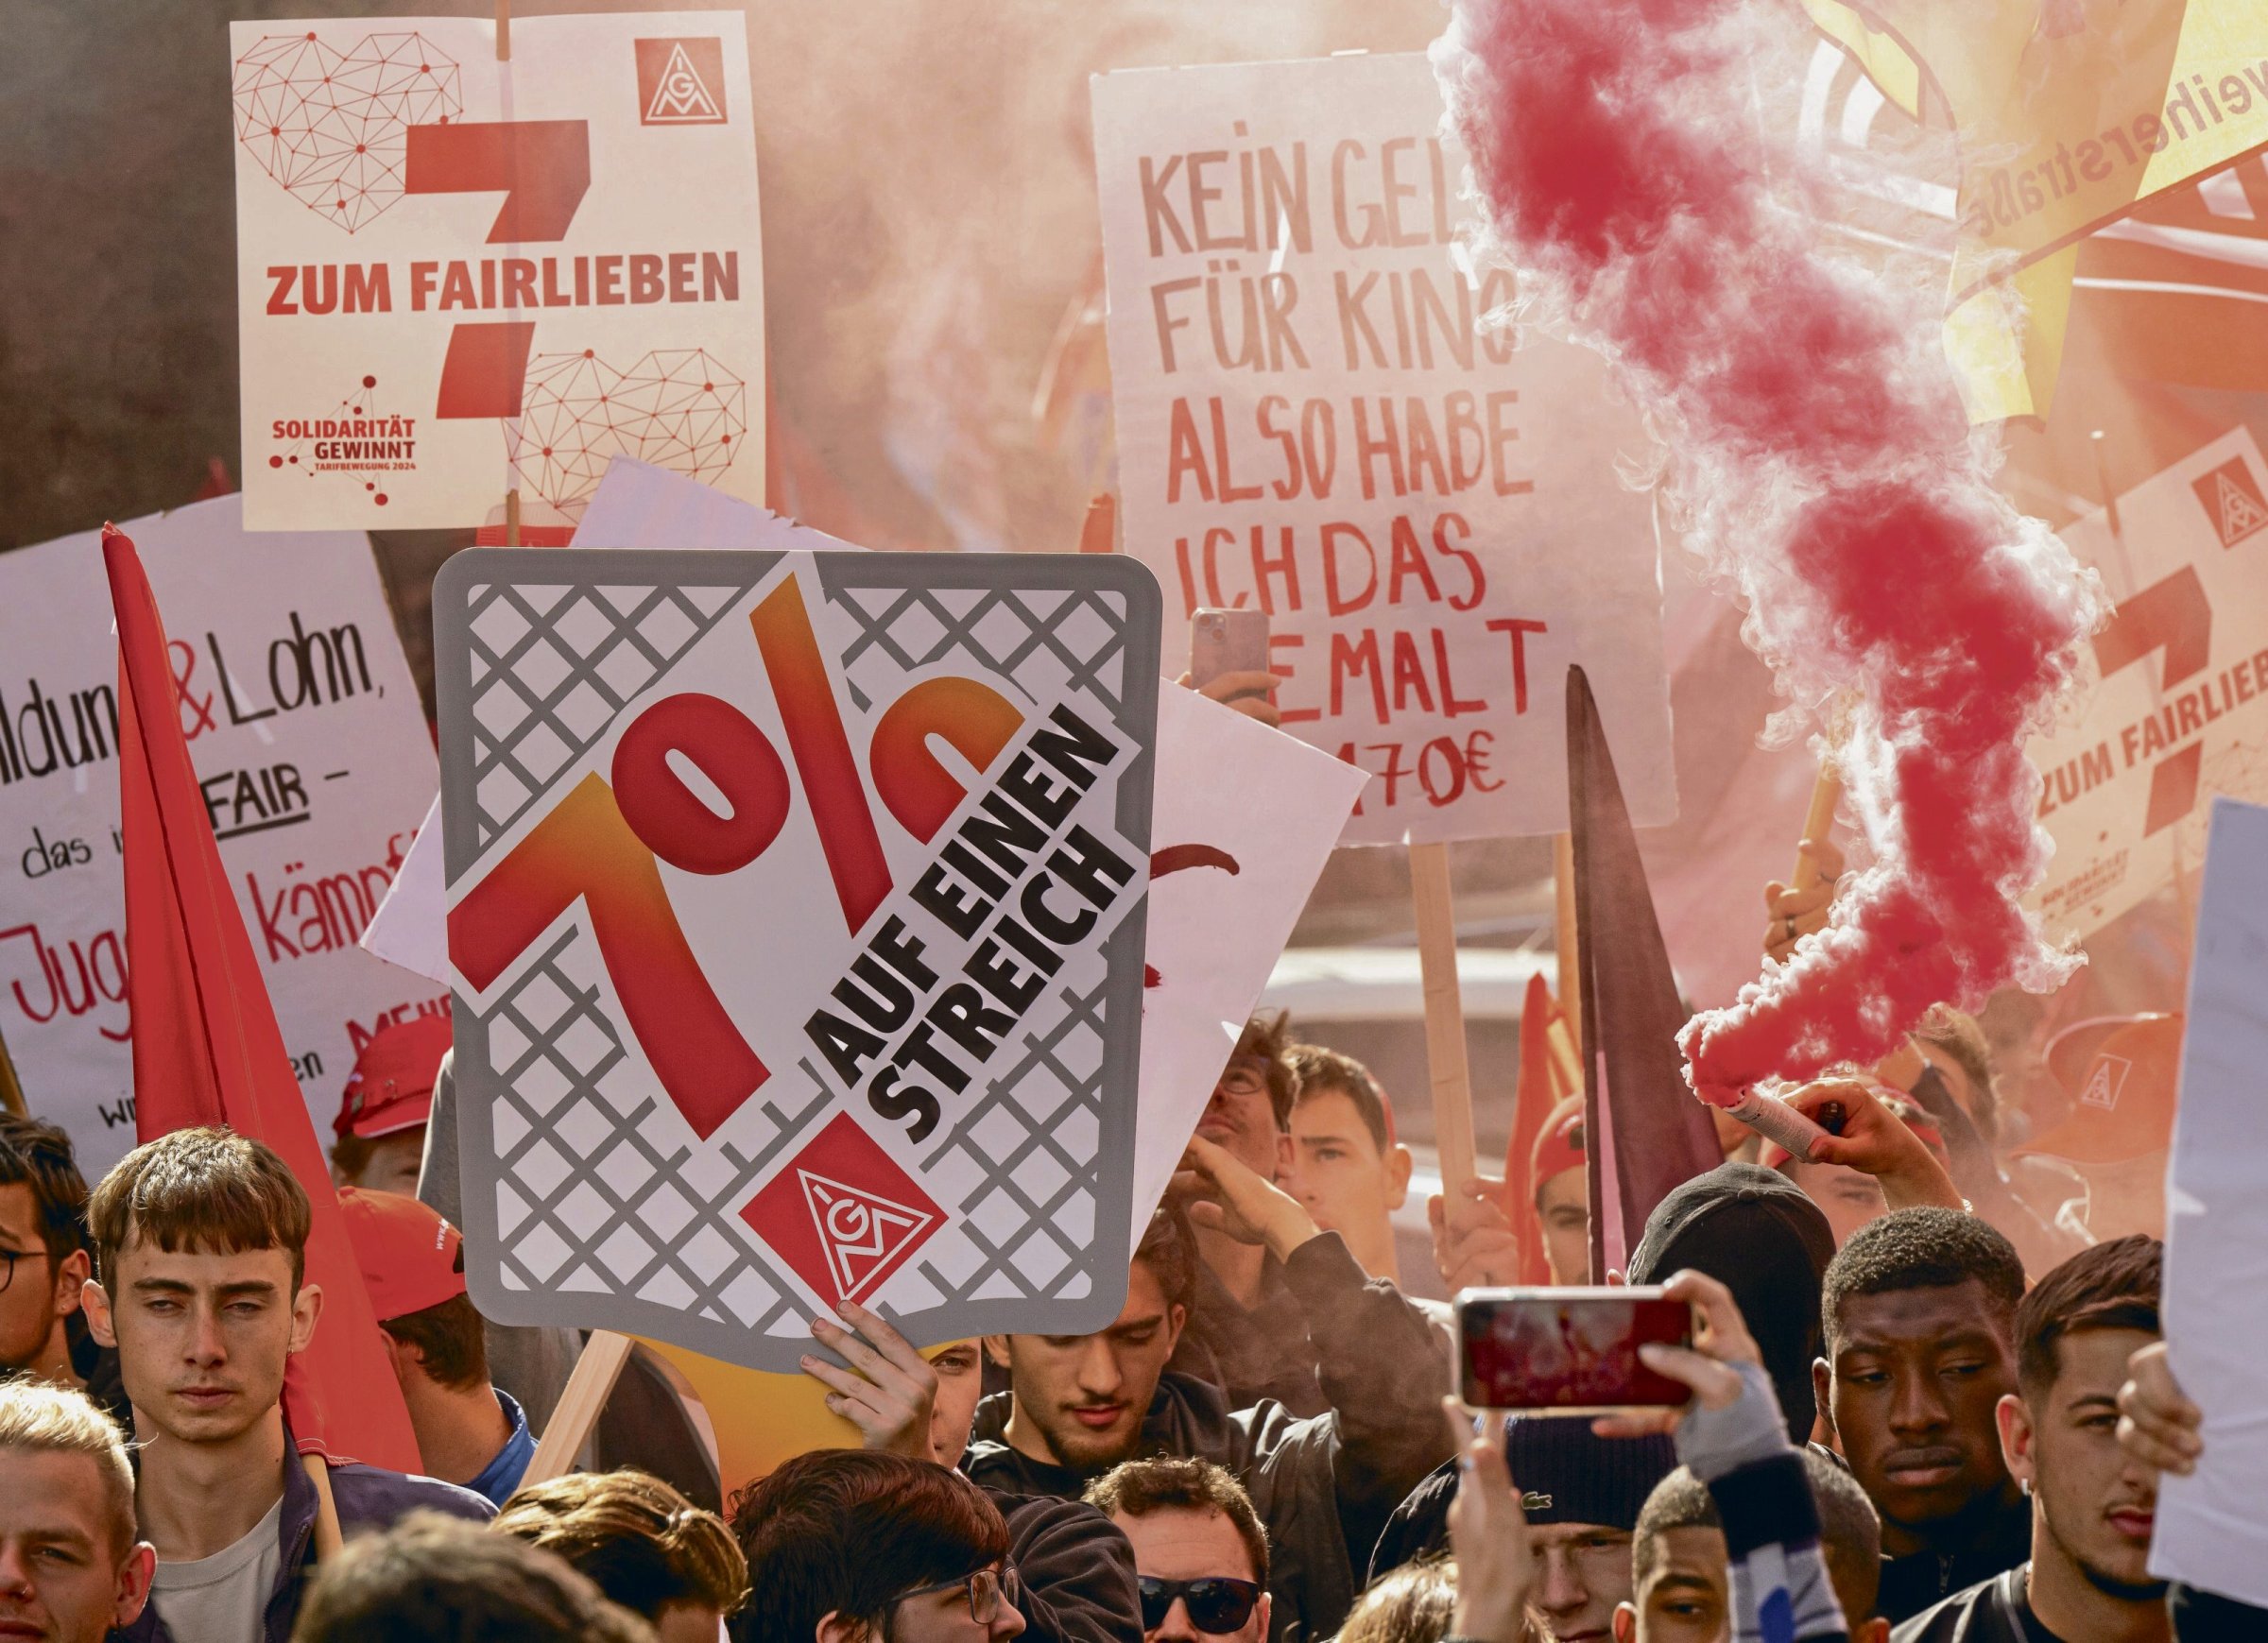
(1312, 419)
(305, 726)
(458, 276)
(796, 928)
(2176, 704)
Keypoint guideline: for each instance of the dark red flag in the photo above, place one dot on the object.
(1644, 1131)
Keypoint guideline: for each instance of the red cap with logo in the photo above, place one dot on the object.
(1558, 1143)
(410, 1257)
(2124, 1106)
(391, 1087)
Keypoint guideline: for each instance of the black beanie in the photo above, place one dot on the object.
(1567, 1475)
(1754, 1231)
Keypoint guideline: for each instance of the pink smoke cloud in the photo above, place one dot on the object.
(1821, 458)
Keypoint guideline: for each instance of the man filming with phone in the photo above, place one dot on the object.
(1729, 1434)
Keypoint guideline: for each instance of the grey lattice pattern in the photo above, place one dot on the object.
(1031, 1215)
(551, 666)
(573, 1141)
(1048, 642)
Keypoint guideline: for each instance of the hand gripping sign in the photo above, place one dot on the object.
(795, 916)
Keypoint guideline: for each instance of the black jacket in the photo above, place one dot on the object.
(1321, 1485)
(2002, 1540)
(1997, 1611)
(1076, 1569)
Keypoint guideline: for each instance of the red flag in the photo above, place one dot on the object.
(206, 1046)
(1642, 1131)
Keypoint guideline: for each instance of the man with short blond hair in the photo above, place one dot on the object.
(201, 1241)
(71, 1566)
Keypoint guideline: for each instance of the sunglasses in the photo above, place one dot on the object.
(1217, 1606)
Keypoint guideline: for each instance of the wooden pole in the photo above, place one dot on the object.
(328, 1536)
(504, 30)
(1098, 533)
(1444, 1013)
(1567, 938)
(1826, 793)
(11, 1090)
(512, 518)
(580, 1401)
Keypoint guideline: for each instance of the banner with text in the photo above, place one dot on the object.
(1312, 419)
(796, 927)
(2176, 709)
(457, 277)
(310, 747)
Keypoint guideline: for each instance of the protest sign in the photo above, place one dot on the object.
(636, 506)
(2210, 1532)
(795, 928)
(2176, 700)
(1312, 419)
(305, 728)
(1245, 819)
(458, 276)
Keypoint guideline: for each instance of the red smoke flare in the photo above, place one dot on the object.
(1825, 462)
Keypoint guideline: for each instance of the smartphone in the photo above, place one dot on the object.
(1567, 1351)
(1226, 641)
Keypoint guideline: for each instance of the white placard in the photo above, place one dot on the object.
(1312, 419)
(2177, 705)
(2211, 1530)
(458, 276)
(306, 730)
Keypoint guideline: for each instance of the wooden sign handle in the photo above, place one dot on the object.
(328, 1536)
(11, 1090)
(580, 1401)
(1444, 1013)
(1826, 793)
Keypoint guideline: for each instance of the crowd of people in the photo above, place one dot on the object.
(1925, 1406)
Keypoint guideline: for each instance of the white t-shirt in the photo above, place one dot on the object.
(222, 1599)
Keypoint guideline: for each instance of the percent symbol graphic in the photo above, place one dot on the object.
(602, 842)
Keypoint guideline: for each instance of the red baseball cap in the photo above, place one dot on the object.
(2124, 1106)
(410, 1257)
(391, 1086)
(1558, 1143)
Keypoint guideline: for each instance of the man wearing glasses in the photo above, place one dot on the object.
(43, 1260)
(1198, 1548)
(850, 1546)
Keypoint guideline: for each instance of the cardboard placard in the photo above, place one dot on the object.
(458, 276)
(796, 908)
(305, 726)
(2176, 708)
(1313, 418)
(2210, 1532)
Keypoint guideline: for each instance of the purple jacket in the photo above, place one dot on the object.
(370, 1500)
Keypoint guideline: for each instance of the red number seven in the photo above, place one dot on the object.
(542, 169)
(2173, 615)
(599, 844)
(585, 850)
